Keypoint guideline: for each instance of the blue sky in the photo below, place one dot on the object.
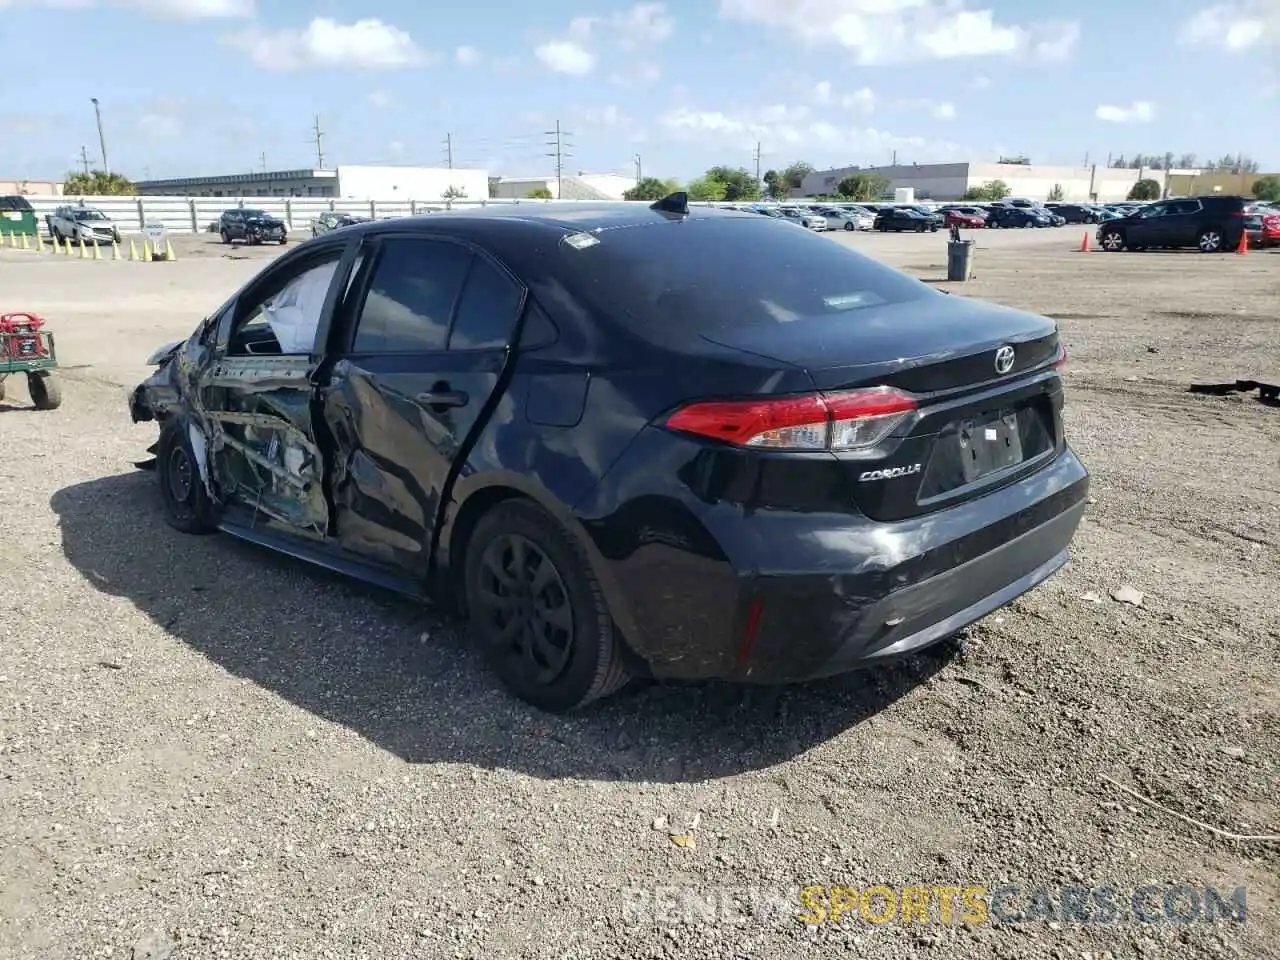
(209, 86)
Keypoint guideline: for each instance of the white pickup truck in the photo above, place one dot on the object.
(76, 223)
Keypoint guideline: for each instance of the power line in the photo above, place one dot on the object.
(318, 140)
(560, 153)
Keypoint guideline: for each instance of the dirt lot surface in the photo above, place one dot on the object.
(206, 751)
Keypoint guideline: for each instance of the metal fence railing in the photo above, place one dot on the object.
(197, 214)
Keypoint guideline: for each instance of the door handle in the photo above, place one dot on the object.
(443, 397)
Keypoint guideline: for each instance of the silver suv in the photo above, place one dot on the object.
(76, 223)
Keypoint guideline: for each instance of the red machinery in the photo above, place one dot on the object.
(27, 348)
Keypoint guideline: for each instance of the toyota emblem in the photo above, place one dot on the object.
(1004, 359)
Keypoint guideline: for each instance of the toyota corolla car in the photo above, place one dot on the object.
(666, 441)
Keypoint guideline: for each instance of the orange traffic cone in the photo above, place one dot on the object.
(1243, 247)
(1084, 242)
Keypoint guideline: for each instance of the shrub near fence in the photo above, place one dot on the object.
(194, 214)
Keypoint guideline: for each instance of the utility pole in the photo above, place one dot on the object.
(637, 162)
(448, 150)
(757, 161)
(318, 139)
(84, 160)
(102, 141)
(263, 158)
(560, 153)
(894, 159)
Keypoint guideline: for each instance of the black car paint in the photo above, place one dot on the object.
(252, 226)
(691, 540)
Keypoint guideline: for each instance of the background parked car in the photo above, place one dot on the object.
(1211, 224)
(903, 219)
(1003, 215)
(332, 221)
(251, 226)
(1074, 212)
(841, 219)
(76, 223)
(805, 218)
(964, 217)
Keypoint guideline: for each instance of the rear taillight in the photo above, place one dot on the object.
(849, 420)
(1061, 360)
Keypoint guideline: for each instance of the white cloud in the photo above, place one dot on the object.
(367, 44)
(1140, 111)
(863, 99)
(944, 111)
(1058, 42)
(822, 92)
(898, 31)
(566, 56)
(1234, 26)
(379, 99)
(643, 23)
(467, 56)
(782, 126)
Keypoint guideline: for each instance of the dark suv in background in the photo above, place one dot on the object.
(251, 226)
(1212, 224)
(1074, 212)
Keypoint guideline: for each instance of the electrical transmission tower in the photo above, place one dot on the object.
(560, 153)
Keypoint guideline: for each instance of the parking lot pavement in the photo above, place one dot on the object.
(207, 751)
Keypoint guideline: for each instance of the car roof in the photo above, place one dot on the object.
(585, 216)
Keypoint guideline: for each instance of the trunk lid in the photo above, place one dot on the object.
(977, 427)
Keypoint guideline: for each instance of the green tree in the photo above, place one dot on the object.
(98, 183)
(651, 188)
(538, 193)
(705, 188)
(773, 184)
(1056, 193)
(793, 176)
(1267, 188)
(1145, 190)
(862, 186)
(990, 191)
(739, 184)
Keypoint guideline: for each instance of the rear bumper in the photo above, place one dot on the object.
(773, 596)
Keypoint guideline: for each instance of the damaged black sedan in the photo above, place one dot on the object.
(628, 440)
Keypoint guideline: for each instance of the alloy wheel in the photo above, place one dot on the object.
(180, 478)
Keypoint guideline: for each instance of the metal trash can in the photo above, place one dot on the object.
(960, 260)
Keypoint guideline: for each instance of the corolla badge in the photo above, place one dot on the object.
(1004, 359)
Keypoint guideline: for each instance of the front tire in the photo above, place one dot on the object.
(187, 506)
(226, 237)
(1111, 241)
(537, 612)
(848, 225)
(46, 392)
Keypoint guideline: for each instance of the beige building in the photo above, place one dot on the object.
(1199, 183)
(31, 188)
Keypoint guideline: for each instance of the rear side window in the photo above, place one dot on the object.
(706, 276)
(488, 309)
(15, 203)
(412, 292)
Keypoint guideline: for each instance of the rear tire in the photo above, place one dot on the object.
(536, 610)
(848, 225)
(1210, 240)
(187, 506)
(226, 237)
(46, 393)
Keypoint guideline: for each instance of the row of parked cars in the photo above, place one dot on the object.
(1210, 224)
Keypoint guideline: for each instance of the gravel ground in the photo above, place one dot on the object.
(206, 751)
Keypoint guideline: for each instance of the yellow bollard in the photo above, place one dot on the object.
(26, 244)
(82, 251)
(133, 250)
(13, 239)
(97, 251)
(146, 250)
(168, 250)
(115, 250)
(53, 244)
(39, 243)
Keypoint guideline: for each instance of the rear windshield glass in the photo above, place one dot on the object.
(15, 203)
(703, 276)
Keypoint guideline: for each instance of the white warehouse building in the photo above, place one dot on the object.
(580, 186)
(343, 182)
(950, 181)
